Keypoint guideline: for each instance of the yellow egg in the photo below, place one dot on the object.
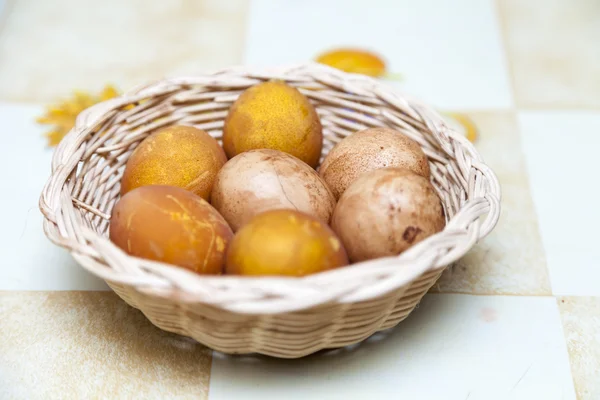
(274, 115)
(284, 242)
(181, 156)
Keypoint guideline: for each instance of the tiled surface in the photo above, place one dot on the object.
(566, 193)
(534, 333)
(456, 69)
(511, 260)
(452, 347)
(30, 261)
(76, 345)
(124, 42)
(553, 51)
(581, 322)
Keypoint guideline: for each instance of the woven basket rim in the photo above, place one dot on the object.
(64, 225)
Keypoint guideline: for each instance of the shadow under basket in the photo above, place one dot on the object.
(276, 316)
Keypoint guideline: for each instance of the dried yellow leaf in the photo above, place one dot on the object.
(61, 116)
(354, 61)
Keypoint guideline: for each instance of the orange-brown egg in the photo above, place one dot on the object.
(180, 156)
(171, 225)
(284, 242)
(274, 115)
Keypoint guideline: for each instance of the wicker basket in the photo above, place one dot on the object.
(282, 317)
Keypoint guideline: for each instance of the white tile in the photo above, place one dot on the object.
(561, 151)
(29, 260)
(452, 347)
(449, 53)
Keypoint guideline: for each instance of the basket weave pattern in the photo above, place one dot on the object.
(282, 317)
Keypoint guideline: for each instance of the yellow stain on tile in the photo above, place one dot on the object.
(49, 48)
(553, 51)
(581, 324)
(511, 260)
(93, 345)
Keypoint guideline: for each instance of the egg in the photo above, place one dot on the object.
(368, 150)
(386, 211)
(180, 156)
(261, 180)
(171, 225)
(274, 115)
(284, 242)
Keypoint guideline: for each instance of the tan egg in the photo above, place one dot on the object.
(284, 242)
(368, 150)
(386, 211)
(274, 115)
(180, 156)
(171, 225)
(261, 180)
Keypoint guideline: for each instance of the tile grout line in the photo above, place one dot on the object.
(504, 44)
(8, 7)
(564, 331)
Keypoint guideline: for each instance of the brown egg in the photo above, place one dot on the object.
(273, 115)
(172, 225)
(386, 211)
(180, 156)
(261, 180)
(284, 242)
(368, 150)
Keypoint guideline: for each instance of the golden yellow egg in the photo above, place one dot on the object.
(284, 242)
(181, 156)
(172, 225)
(274, 115)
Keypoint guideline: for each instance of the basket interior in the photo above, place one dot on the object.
(107, 144)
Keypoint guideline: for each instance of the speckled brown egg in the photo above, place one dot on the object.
(274, 115)
(180, 156)
(284, 242)
(261, 180)
(368, 150)
(386, 211)
(171, 225)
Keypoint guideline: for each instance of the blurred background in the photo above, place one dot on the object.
(466, 54)
(520, 78)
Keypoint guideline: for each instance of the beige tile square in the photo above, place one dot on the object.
(511, 259)
(48, 48)
(581, 323)
(553, 51)
(77, 345)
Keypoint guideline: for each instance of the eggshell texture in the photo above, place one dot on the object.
(386, 211)
(180, 156)
(261, 180)
(284, 242)
(172, 225)
(368, 150)
(274, 115)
